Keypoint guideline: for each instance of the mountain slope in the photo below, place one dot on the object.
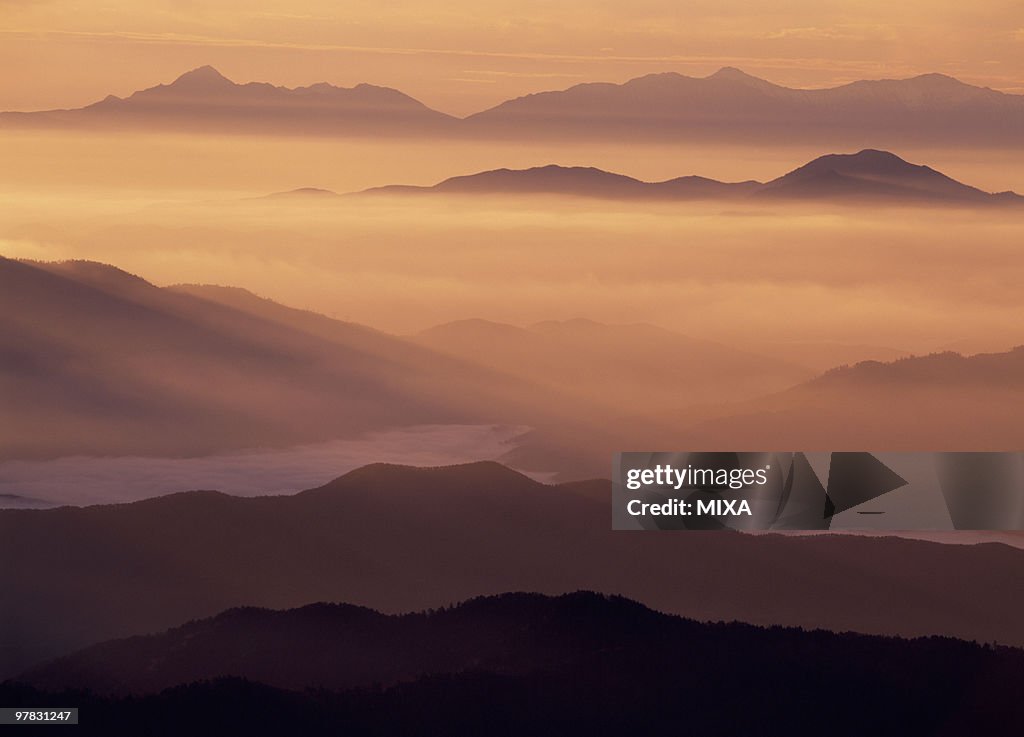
(97, 361)
(938, 402)
(399, 539)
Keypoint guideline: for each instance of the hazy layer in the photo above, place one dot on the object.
(175, 211)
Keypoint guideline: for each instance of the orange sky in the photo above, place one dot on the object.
(463, 55)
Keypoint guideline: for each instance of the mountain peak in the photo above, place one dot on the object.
(936, 79)
(868, 159)
(305, 193)
(393, 476)
(730, 73)
(877, 156)
(738, 76)
(204, 76)
(875, 173)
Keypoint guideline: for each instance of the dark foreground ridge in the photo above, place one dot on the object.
(397, 538)
(526, 664)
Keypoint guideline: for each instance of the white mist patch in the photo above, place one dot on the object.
(81, 481)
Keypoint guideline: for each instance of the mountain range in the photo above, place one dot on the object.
(398, 538)
(867, 176)
(727, 105)
(733, 105)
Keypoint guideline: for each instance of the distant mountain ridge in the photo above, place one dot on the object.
(868, 175)
(728, 105)
(205, 99)
(733, 105)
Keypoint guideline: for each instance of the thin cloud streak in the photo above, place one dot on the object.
(214, 41)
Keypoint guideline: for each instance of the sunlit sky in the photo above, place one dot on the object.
(465, 55)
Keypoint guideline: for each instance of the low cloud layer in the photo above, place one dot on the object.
(85, 481)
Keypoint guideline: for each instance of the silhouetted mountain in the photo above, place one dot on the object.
(204, 99)
(876, 175)
(98, 361)
(734, 106)
(634, 364)
(517, 664)
(400, 539)
(943, 401)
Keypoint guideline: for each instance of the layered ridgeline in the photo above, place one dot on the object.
(728, 105)
(97, 361)
(399, 539)
(578, 664)
(867, 176)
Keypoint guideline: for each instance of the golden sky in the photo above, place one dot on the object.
(464, 55)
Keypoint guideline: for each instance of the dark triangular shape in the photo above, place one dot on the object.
(854, 478)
